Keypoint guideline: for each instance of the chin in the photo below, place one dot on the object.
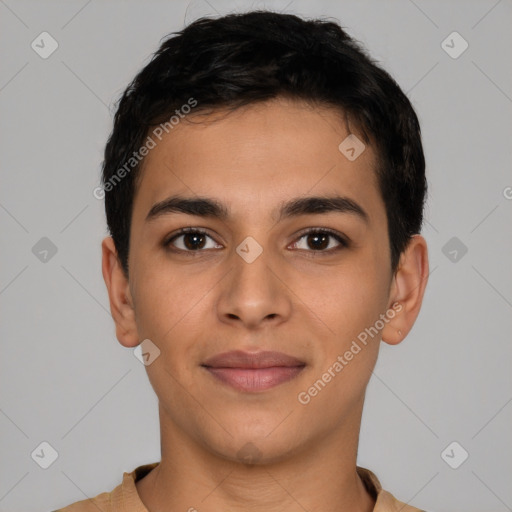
(254, 446)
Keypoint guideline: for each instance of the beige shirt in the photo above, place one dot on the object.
(124, 498)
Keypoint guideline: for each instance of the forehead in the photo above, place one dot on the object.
(256, 156)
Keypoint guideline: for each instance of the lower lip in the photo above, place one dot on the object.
(255, 379)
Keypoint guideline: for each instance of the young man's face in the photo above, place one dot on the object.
(309, 297)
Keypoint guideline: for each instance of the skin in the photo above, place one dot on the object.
(294, 298)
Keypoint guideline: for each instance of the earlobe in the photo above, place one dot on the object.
(408, 290)
(121, 302)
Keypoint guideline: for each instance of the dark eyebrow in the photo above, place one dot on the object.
(207, 207)
(312, 205)
(201, 206)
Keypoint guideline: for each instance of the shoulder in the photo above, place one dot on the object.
(387, 502)
(384, 500)
(123, 498)
(101, 502)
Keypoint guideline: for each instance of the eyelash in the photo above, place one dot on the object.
(344, 243)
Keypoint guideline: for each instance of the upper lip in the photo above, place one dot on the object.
(241, 359)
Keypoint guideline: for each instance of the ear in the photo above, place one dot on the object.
(407, 289)
(121, 303)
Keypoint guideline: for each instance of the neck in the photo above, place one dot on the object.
(320, 477)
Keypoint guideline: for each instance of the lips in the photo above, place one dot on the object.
(241, 359)
(253, 371)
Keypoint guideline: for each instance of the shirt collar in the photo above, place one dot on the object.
(129, 499)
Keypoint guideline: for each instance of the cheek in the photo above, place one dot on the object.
(172, 310)
(351, 301)
(161, 300)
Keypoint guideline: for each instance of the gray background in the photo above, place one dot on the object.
(64, 377)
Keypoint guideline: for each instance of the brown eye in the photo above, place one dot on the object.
(320, 241)
(191, 240)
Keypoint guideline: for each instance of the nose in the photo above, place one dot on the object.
(254, 294)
